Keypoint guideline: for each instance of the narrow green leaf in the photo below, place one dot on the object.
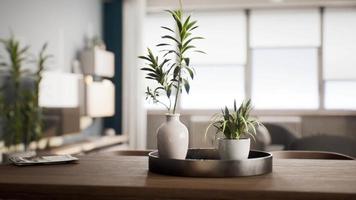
(163, 63)
(186, 60)
(190, 40)
(171, 38)
(191, 73)
(169, 52)
(193, 28)
(199, 51)
(168, 92)
(186, 85)
(162, 44)
(148, 69)
(145, 58)
(176, 71)
(164, 27)
(185, 25)
(152, 75)
(187, 48)
(190, 25)
(170, 67)
(177, 18)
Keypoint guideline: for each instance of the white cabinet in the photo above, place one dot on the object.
(98, 62)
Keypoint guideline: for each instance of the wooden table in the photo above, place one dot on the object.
(126, 177)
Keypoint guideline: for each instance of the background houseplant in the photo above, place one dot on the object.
(236, 126)
(171, 76)
(20, 114)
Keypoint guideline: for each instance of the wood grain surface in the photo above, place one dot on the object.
(127, 177)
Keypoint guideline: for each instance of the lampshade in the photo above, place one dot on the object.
(59, 90)
(100, 98)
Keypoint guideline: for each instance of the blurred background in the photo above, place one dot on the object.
(296, 60)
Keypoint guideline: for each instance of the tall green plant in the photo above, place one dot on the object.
(172, 75)
(33, 112)
(12, 115)
(236, 123)
(20, 112)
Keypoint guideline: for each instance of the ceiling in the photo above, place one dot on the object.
(159, 5)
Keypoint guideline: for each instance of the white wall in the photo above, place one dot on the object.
(62, 23)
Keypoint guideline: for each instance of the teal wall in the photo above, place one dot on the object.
(112, 32)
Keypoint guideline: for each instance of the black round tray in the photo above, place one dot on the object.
(206, 163)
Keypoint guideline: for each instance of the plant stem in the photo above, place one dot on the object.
(179, 78)
(177, 93)
(180, 60)
(170, 104)
(163, 105)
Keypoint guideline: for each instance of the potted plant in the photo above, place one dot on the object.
(20, 114)
(171, 76)
(236, 126)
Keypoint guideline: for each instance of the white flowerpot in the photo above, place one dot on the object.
(172, 138)
(230, 149)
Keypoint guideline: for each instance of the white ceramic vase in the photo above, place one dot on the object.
(172, 138)
(230, 149)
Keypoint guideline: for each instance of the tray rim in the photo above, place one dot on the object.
(269, 155)
(210, 168)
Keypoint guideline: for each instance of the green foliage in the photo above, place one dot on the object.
(20, 113)
(172, 75)
(236, 123)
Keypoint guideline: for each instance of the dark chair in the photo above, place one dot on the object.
(310, 155)
(280, 135)
(338, 144)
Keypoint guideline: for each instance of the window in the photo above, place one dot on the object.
(285, 78)
(285, 28)
(340, 58)
(152, 31)
(225, 38)
(215, 86)
(220, 74)
(290, 53)
(340, 95)
(340, 44)
(225, 46)
(284, 58)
